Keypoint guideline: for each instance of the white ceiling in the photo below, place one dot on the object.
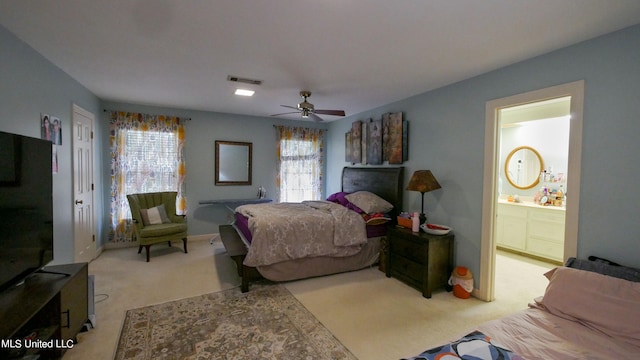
(353, 55)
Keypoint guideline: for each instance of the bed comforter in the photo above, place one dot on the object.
(582, 315)
(537, 334)
(287, 231)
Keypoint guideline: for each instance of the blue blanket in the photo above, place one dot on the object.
(474, 346)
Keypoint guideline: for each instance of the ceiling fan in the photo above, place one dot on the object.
(308, 111)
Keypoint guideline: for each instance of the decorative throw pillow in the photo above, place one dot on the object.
(339, 198)
(154, 216)
(369, 202)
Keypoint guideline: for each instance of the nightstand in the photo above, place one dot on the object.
(421, 260)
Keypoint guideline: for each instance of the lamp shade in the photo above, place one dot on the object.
(423, 181)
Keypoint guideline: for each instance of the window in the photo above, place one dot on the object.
(146, 156)
(299, 164)
(151, 160)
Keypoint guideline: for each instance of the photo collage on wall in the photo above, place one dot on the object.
(51, 129)
(373, 142)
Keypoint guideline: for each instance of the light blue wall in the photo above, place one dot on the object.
(201, 132)
(446, 135)
(30, 85)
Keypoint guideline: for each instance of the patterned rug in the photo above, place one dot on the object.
(265, 323)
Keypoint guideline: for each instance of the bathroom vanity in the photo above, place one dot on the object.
(529, 228)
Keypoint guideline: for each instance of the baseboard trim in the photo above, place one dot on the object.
(207, 237)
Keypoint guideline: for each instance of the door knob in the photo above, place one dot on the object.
(78, 202)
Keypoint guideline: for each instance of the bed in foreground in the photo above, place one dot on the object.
(283, 242)
(590, 310)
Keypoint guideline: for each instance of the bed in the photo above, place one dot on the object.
(590, 310)
(357, 247)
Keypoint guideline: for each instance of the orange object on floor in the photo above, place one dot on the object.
(462, 281)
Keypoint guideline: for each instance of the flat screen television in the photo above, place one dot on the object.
(26, 207)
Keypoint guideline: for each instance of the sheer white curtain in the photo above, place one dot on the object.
(300, 162)
(147, 155)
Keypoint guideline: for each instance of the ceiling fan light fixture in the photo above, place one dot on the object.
(244, 92)
(307, 110)
(305, 106)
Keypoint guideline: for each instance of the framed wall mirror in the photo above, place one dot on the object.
(523, 166)
(233, 162)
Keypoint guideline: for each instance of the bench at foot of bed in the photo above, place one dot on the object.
(237, 250)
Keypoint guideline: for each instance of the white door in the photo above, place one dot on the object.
(84, 239)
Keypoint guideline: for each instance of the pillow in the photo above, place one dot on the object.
(154, 216)
(600, 302)
(339, 198)
(369, 203)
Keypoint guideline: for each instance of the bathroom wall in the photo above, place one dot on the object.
(550, 137)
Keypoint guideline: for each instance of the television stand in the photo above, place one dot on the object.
(45, 308)
(43, 271)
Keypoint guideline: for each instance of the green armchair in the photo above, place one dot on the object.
(155, 220)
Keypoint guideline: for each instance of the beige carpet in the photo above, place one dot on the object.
(375, 317)
(265, 323)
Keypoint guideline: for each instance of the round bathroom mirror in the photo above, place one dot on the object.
(523, 166)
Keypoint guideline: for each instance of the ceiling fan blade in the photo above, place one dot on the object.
(287, 113)
(330, 112)
(290, 107)
(315, 117)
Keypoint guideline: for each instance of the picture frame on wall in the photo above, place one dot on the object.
(363, 141)
(51, 128)
(356, 142)
(385, 136)
(56, 130)
(374, 142)
(45, 127)
(347, 147)
(395, 138)
(405, 140)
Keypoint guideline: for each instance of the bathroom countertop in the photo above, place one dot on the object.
(531, 204)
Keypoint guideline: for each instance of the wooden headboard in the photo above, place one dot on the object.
(386, 182)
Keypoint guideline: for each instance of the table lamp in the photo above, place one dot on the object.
(423, 181)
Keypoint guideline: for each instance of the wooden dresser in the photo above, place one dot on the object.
(421, 260)
(51, 306)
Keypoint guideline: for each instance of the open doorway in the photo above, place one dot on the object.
(575, 92)
(532, 176)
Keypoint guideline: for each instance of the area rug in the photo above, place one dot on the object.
(267, 322)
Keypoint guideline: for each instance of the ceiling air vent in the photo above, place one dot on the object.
(244, 80)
